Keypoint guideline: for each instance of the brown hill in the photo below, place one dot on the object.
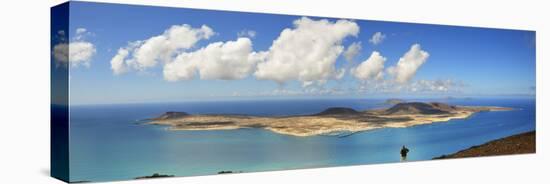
(171, 115)
(338, 111)
(420, 108)
(515, 144)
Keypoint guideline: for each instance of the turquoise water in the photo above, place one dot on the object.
(108, 143)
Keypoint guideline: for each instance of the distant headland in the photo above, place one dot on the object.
(331, 121)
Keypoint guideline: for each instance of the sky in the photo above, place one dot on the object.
(133, 54)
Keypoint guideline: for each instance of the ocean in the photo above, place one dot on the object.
(110, 142)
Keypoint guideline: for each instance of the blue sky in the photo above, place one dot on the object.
(459, 61)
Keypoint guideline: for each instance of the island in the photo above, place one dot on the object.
(156, 175)
(332, 121)
(522, 143)
(229, 172)
(393, 101)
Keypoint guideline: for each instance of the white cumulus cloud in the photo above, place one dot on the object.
(352, 51)
(372, 68)
(74, 53)
(424, 86)
(247, 33)
(117, 63)
(143, 54)
(307, 52)
(408, 64)
(222, 61)
(377, 38)
(432, 86)
(80, 30)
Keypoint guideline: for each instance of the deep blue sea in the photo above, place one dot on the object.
(107, 142)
